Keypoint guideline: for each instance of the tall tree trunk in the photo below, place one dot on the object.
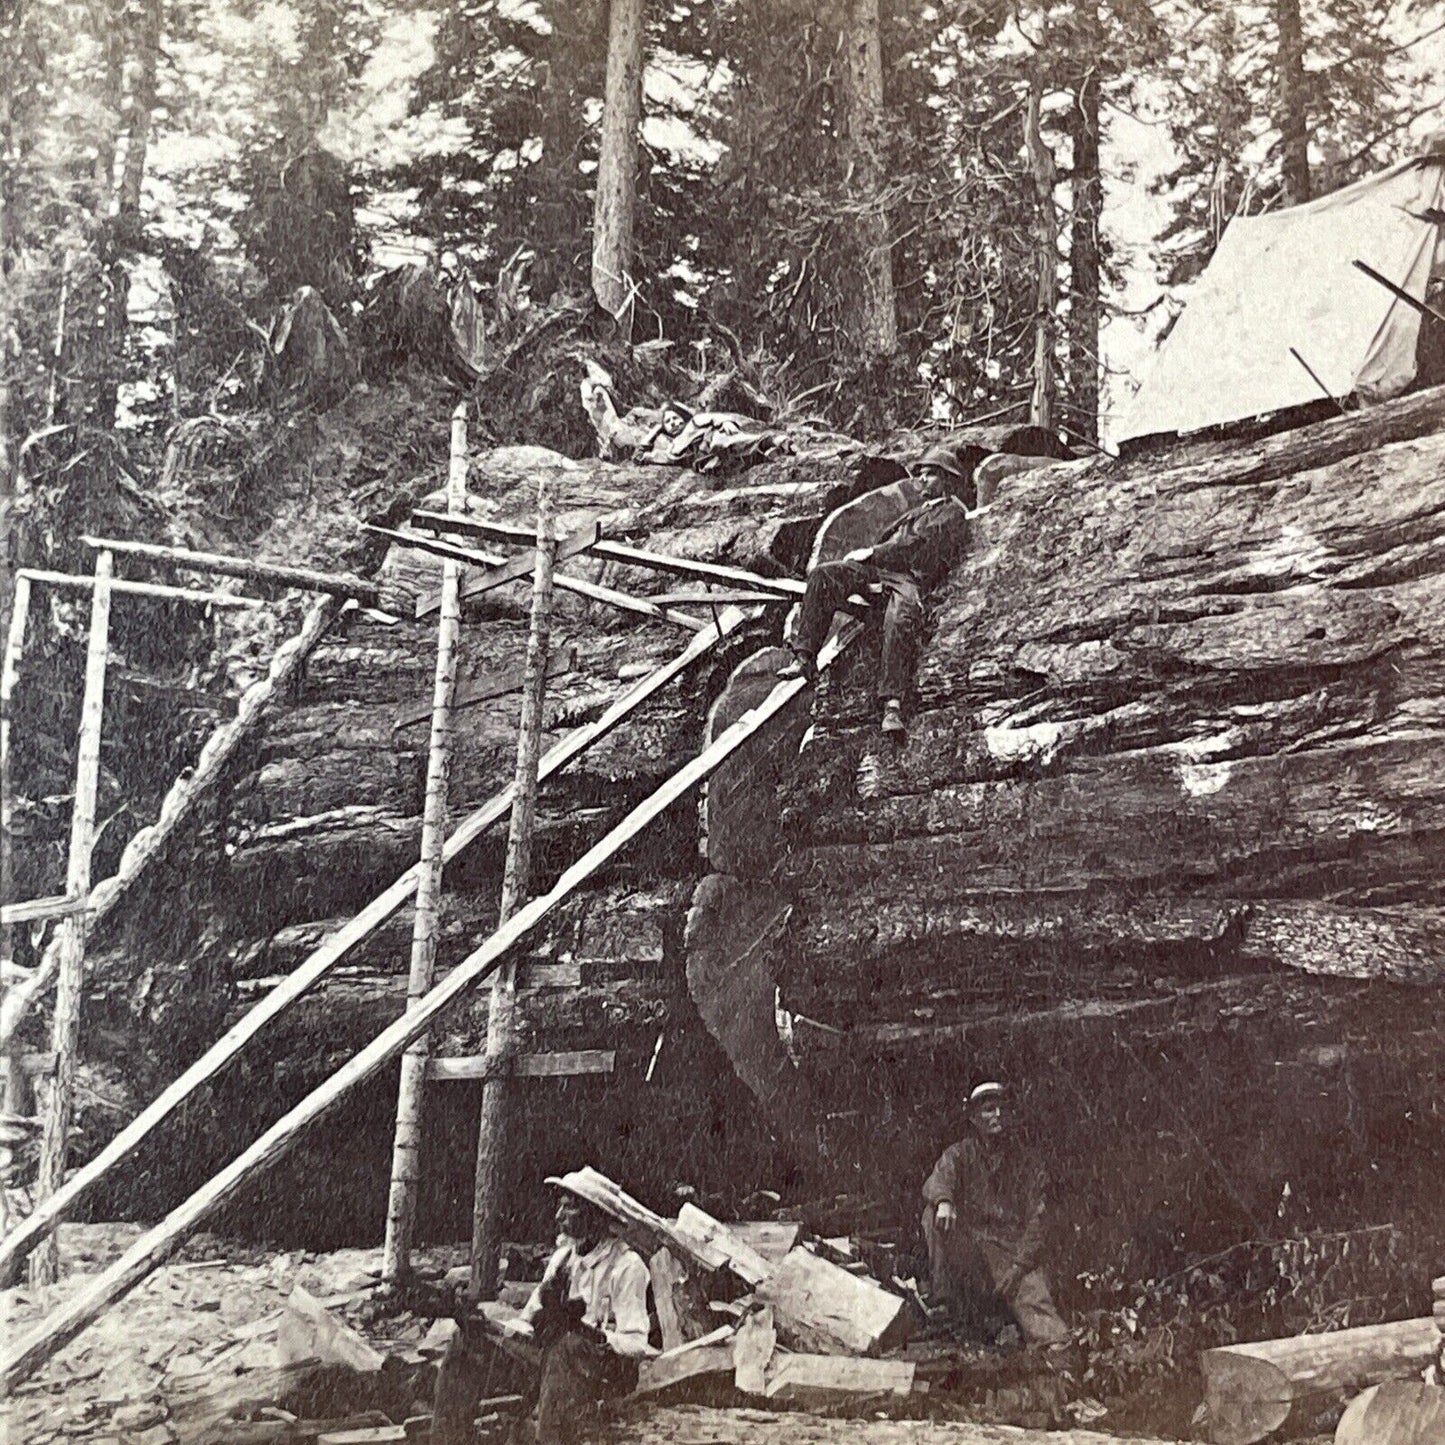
(138, 120)
(877, 325)
(1085, 279)
(1293, 119)
(111, 25)
(1044, 401)
(616, 205)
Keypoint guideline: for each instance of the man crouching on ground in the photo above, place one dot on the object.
(983, 1222)
(589, 1315)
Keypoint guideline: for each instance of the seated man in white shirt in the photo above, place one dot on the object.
(590, 1317)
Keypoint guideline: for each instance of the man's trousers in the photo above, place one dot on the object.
(830, 584)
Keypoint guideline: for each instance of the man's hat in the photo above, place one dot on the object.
(590, 1187)
(982, 1093)
(942, 457)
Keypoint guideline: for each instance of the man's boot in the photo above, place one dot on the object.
(893, 716)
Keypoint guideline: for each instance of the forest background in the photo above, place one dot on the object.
(240, 238)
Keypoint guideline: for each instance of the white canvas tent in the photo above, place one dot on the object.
(1287, 280)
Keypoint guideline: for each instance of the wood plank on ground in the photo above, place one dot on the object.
(807, 1378)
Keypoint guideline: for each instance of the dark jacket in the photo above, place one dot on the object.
(925, 542)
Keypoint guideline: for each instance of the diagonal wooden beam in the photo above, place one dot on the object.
(625, 600)
(618, 552)
(333, 949)
(519, 568)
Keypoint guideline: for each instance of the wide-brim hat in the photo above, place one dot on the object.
(590, 1187)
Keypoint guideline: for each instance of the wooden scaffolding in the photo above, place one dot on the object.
(736, 596)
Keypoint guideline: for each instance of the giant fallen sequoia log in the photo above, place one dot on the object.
(1174, 755)
(1178, 709)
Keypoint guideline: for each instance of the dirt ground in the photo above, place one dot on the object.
(126, 1380)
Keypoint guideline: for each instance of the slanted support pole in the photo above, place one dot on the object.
(65, 1027)
(410, 1101)
(502, 1008)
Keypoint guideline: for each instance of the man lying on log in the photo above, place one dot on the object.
(983, 1223)
(913, 556)
(589, 1316)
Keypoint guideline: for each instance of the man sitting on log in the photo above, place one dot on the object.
(914, 555)
(983, 1223)
(590, 1317)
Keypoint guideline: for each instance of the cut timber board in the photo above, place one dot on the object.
(741, 1257)
(594, 591)
(822, 1377)
(521, 567)
(525, 1066)
(333, 949)
(770, 1238)
(667, 1370)
(619, 552)
(822, 1308)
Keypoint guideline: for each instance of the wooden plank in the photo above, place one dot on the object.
(141, 589)
(70, 979)
(771, 1238)
(620, 552)
(592, 590)
(805, 1378)
(667, 1370)
(307, 579)
(1250, 1389)
(469, 1068)
(426, 920)
(823, 1308)
(469, 694)
(681, 1302)
(313, 968)
(57, 1329)
(149, 844)
(742, 1258)
(36, 910)
(519, 568)
(753, 1351)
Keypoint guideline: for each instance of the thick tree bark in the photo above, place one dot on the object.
(1085, 278)
(1044, 400)
(877, 320)
(1293, 118)
(613, 282)
(1167, 710)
